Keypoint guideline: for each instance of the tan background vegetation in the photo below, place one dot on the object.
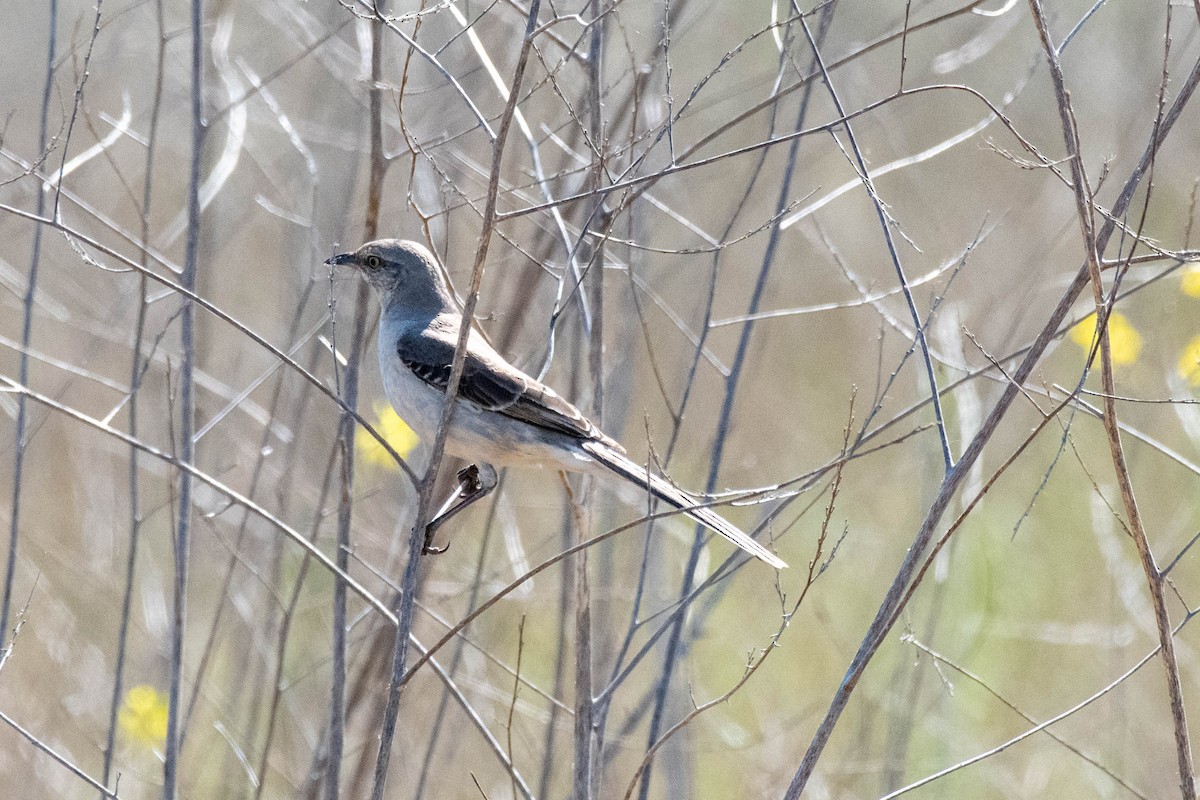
(1040, 593)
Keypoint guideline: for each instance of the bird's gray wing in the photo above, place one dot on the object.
(490, 382)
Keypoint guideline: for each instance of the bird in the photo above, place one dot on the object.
(502, 416)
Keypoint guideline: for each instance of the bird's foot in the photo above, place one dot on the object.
(475, 482)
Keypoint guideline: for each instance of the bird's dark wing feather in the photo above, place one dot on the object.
(491, 383)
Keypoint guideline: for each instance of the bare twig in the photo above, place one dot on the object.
(892, 601)
(816, 566)
(425, 506)
(1084, 209)
(187, 445)
(224, 316)
(378, 170)
(978, 680)
(885, 224)
(733, 384)
(27, 336)
(7, 384)
(135, 375)
(54, 754)
(512, 706)
(1036, 728)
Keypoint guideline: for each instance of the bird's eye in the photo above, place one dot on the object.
(374, 262)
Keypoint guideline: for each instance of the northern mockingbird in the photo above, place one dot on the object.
(503, 416)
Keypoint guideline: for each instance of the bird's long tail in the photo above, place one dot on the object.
(664, 491)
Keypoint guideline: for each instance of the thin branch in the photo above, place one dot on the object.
(31, 287)
(884, 618)
(1084, 209)
(733, 384)
(75, 236)
(416, 540)
(187, 451)
(135, 376)
(9, 385)
(1036, 729)
(885, 223)
(976, 679)
(54, 754)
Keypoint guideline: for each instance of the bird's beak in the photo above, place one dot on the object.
(342, 259)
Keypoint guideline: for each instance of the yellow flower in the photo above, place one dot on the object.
(1126, 342)
(143, 716)
(393, 429)
(1190, 282)
(1189, 362)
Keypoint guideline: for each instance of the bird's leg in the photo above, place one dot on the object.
(474, 482)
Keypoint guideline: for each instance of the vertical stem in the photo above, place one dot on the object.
(26, 335)
(890, 240)
(135, 379)
(439, 717)
(407, 595)
(1085, 210)
(284, 634)
(560, 649)
(187, 453)
(586, 775)
(893, 601)
(582, 774)
(337, 714)
(724, 421)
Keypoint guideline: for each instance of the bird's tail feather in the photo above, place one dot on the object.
(668, 493)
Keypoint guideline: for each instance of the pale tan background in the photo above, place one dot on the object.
(1045, 608)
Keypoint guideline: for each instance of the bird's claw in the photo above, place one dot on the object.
(429, 550)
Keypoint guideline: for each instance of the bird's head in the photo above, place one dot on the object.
(400, 271)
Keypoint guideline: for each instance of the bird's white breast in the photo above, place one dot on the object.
(417, 403)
